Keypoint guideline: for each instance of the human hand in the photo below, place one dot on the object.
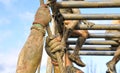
(53, 45)
(42, 16)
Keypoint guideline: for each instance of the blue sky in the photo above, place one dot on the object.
(16, 17)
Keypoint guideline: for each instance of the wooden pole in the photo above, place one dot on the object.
(97, 53)
(83, 4)
(99, 27)
(101, 35)
(91, 16)
(95, 48)
(95, 42)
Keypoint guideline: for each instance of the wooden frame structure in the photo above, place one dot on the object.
(83, 4)
(106, 51)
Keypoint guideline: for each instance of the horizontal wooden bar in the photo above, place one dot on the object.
(95, 42)
(83, 4)
(99, 27)
(104, 35)
(98, 53)
(91, 16)
(95, 48)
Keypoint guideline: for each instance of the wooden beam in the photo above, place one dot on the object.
(99, 27)
(95, 48)
(95, 42)
(91, 16)
(83, 4)
(97, 53)
(101, 35)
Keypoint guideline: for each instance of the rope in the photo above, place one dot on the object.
(59, 60)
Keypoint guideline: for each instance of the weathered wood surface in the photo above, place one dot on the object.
(101, 35)
(97, 53)
(99, 27)
(95, 42)
(83, 4)
(91, 16)
(95, 48)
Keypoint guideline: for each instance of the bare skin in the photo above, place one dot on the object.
(70, 25)
(111, 64)
(81, 39)
(83, 35)
(54, 46)
(56, 42)
(68, 63)
(31, 53)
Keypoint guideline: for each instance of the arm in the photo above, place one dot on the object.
(31, 53)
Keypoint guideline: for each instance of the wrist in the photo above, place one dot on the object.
(41, 22)
(38, 27)
(55, 63)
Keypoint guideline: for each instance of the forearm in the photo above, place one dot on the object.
(31, 54)
(56, 69)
